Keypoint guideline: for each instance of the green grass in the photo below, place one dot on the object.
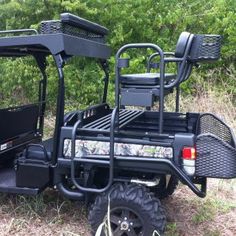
(212, 233)
(171, 229)
(205, 212)
(209, 208)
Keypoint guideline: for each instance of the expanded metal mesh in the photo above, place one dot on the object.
(216, 153)
(215, 158)
(205, 47)
(208, 123)
(54, 27)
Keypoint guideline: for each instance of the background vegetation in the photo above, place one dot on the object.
(129, 21)
(212, 88)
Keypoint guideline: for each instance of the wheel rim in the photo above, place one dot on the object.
(125, 222)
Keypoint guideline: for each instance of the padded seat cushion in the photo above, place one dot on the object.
(145, 78)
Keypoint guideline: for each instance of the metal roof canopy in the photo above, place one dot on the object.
(69, 36)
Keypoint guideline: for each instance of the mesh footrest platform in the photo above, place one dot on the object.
(145, 78)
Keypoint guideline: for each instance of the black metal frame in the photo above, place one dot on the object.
(110, 161)
(151, 65)
(80, 130)
(162, 72)
(184, 66)
(42, 45)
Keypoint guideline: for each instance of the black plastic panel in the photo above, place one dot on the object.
(18, 120)
(32, 175)
(137, 99)
(8, 183)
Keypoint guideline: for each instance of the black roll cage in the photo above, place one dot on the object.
(61, 46)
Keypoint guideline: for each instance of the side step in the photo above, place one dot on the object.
(8, 183)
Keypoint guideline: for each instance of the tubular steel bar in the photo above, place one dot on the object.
(181, 61)
(162, 72)
(60, 108)
(19, 31)
(181, 175)
(177, 98)
(201, 192)
(68, 192)
(110, 162)
(42, 91)
(105, 67)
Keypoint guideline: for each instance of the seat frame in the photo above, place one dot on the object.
(184, 68)
(147, 100)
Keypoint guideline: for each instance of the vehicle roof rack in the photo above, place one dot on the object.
(32, 31)
(70, 36)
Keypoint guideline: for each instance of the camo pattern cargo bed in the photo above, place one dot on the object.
(87, 147)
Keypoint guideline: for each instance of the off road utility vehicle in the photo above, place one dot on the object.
(119, 157)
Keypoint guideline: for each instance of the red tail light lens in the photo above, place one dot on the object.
(189, 153)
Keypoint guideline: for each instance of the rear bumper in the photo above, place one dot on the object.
(158, 166)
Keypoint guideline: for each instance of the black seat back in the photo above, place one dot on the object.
(181, 45)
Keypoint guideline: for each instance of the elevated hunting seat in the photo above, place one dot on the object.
(142, 89)
(153, 79)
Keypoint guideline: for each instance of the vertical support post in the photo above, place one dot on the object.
(105, 67)
(177, 98)
(117, 83)
(41, 61)
(117, 87)
(161, 97)
(60, 107)
(42, 101)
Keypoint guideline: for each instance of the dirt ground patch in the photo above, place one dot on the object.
(214, 215)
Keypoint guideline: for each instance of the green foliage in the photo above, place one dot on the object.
(158, 22)
(171, 229)
(208, 209)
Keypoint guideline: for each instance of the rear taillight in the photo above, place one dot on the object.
(189, 156)
(189, 153)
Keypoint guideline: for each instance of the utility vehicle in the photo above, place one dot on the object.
(126, 157)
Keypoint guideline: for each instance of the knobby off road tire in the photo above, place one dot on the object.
(162, 191)
(133, 211)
